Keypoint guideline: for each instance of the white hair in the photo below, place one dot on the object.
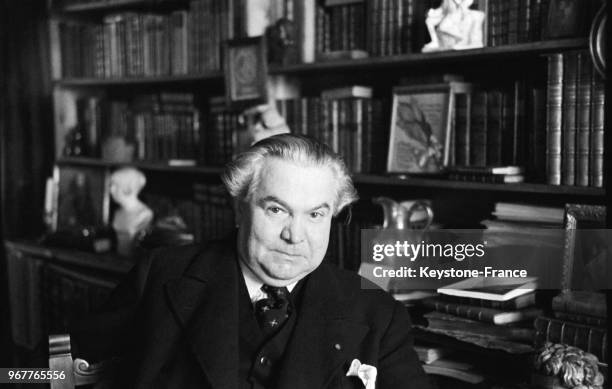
(242, 175)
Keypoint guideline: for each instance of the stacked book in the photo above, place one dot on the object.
(131, 44)
(491, 313)
(525, 225)
(574, 121)
(490, 174)
(579, 319)
(347, 119)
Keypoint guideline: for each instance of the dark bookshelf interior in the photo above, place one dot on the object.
(139, 70)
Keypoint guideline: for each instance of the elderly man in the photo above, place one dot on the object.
(260, 310)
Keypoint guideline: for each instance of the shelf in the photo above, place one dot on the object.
(472, 55)
(368, 179)
(428, 182)
(108, 262)
(151, 80)
(147, 166)
(112, 5)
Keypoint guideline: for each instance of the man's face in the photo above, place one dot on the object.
(284, 227)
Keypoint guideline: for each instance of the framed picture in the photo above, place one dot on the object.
(82, 197)
(565, 19)
(588, 248)
(246, 72)
(421, 116)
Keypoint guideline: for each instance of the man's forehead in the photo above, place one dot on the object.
(288, 180)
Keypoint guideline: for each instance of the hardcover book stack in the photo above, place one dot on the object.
(167, 127)
(514, 21)
(520, 225)
(491, 313)
(339, 28)
(579, 319)
(390, 27)
(489, 126)
(574, 121)
(130, 44)
(221, 139)
(162, 127)
(490, 174)
(347, 119)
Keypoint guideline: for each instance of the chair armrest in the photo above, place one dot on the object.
(78, 371)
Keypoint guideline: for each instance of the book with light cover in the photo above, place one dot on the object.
(491, 288)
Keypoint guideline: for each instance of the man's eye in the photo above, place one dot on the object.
(316, 215)
(274, 210)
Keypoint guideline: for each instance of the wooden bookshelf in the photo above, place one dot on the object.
(153, 80)
(149, 166)
(107, 5)
(108, 262)
(435, 58)
(365, 179)
(555, 190)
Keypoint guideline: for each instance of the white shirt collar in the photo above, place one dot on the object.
(254, 284)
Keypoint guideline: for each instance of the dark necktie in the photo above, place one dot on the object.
(272, 312)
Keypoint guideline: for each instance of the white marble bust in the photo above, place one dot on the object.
(133, 215)
(454, 26)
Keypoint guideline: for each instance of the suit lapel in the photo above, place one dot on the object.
(205, 302)
(323, 340)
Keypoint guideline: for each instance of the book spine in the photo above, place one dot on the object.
(478, 130)
(466, 311)
(598, 92)
(581, 319)
(553, 119)
(461, 129)
(568, 122)
(583, 118)
(494, 128)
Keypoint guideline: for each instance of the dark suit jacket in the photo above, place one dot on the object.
(176, 322)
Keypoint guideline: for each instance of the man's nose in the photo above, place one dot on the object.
(293, 231)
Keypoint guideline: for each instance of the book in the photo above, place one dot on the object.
(581, 303)
(457, 370)
(496, 289)
(525, 212)
(461, 128)
(347, 92)
(491, 315)
(588, 338)
(488, 178)
(501, 170)
(429, 354)
(341, 54)
(519, 302)
(581, 319)
(568, 121)
(554, 93)
(583, 118)
(445, 322)
(597, 131)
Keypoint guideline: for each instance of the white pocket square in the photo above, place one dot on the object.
(366, 373)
